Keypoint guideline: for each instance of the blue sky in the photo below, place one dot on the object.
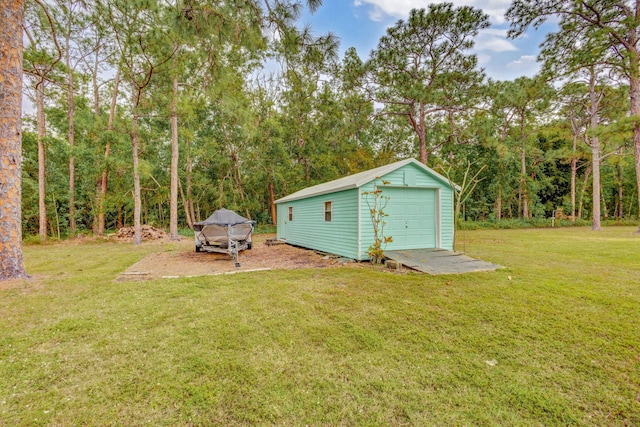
(361, 23)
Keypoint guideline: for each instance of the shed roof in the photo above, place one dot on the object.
(357, 180)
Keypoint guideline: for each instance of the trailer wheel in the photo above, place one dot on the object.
(197, 248)
(249, 245)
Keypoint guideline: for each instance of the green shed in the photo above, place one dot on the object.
(334, 217)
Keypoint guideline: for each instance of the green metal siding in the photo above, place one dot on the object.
(440, 208)
(309, 229)
(414, 176)
(446, 218)
(281, 216)
(366, 231)
(412, 190)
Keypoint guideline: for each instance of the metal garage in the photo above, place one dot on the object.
(334, 217)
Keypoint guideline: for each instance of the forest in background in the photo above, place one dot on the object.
(172, 109)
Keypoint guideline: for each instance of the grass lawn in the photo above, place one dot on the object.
(552, 339)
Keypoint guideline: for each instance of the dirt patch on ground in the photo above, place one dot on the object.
(25, 285)
(183, 261)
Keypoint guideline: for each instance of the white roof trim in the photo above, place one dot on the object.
(355, 181)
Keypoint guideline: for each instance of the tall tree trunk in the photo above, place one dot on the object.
(71, 136)
(185, 205)
(574, 173)
(135, 149)
(11, 261)
(40, 120)
(523, 193)
(96, 115)
(175, 153)
(104, 179)
(137, 202)
(595, 165)
(620, 206)
(119, 218)
(523, 181)
(422, 135)
(187, 179)
(417, 122)
(634, 96)
(585, 181)
(498, 209)
(636, 154)
(595, 151)
(272, 204)
(635, 111)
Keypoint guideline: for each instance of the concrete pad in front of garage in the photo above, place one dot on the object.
(439, 261)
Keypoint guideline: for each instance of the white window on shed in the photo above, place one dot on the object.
(290, 213)
(327, 211)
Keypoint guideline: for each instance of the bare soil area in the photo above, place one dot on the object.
(183, 261)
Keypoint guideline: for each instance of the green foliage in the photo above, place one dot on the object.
(247, 137)
(598, 38)
(421, 68)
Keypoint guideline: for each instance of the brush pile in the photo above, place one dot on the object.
(148, 233)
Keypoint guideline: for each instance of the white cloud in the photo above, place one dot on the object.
(483, 59)
(376, 14)
(524, 60)
(400, 8)
(494, 40)
(526, 65)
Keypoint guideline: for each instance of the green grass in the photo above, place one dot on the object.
(511, 223)
(348, 346)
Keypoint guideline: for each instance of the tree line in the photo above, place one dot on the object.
(161, 111)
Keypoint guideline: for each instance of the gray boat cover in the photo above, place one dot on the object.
(223, 217)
